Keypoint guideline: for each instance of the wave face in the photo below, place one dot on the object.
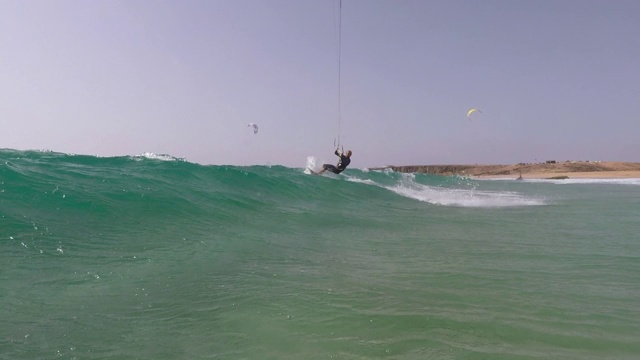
(151, 256)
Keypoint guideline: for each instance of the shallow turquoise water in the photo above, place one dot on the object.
(152, 257)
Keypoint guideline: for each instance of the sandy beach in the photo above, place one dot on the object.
(547, 170)
(575, 175)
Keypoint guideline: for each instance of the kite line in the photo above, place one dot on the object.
(336, 145)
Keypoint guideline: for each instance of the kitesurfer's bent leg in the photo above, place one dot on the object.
(329, 167)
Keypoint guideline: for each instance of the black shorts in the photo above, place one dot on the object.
(331, 168)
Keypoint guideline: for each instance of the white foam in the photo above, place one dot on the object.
(465, 198)
(362, 181)
(162, 157)
(407, 187)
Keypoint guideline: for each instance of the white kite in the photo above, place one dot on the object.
(255, 127)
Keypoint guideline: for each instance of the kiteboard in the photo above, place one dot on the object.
(312, 172)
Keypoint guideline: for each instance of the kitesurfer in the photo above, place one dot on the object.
(345, 160)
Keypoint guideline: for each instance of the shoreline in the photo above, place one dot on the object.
(568, 175)
(547, 170)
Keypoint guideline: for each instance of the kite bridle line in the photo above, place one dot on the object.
(338, 146)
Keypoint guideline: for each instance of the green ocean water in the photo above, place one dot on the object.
(151, 257)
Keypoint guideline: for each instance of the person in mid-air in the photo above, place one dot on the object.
(345, 160)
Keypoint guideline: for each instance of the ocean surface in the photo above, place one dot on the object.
(153, 257)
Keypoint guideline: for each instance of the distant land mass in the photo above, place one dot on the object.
(549, 169)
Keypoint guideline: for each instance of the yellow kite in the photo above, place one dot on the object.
(471, 112)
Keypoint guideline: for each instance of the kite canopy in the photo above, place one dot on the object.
(471, 112)
(254, 126)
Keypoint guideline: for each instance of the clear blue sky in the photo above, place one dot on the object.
(555, 79)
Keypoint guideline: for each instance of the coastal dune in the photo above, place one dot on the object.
(547, 170)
